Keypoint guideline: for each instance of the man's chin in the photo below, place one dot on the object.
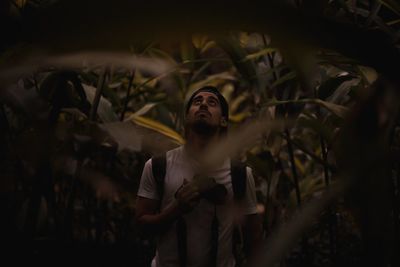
(203, 127)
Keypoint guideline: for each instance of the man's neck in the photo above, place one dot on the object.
(196, 144)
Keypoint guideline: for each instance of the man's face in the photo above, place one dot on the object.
(204, 112)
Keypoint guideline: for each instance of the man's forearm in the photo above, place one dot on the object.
(159, 222)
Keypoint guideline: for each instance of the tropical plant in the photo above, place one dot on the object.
(313, 93)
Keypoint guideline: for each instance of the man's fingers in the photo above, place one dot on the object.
(188, 192)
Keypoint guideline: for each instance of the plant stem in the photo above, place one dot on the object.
(99, 91)
(128, 92)
(293, 167)
(396, 213)
(331, 213)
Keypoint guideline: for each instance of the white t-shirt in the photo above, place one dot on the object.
(198, 221)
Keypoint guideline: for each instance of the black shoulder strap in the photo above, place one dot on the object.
(159, 168)
(239, 179)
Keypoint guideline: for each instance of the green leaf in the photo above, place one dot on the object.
(146, 108)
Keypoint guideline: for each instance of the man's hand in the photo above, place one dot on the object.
(188, 196)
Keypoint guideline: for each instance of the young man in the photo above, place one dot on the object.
(195, 218)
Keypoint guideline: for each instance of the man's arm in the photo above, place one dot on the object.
(252, 223)
(153, 222)
(149, 220)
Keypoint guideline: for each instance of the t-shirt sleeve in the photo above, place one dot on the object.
(250, 201)
(148, 184)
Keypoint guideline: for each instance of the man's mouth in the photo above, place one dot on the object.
(203, 113)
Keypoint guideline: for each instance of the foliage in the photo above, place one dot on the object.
(313, 110)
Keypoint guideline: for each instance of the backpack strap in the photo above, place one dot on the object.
(239, 179)
(159, 169)
(239, 182)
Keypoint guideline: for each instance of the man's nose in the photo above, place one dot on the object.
(203, 105)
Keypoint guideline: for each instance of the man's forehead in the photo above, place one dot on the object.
(205, 95)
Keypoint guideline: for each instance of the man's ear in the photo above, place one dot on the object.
(223, 122)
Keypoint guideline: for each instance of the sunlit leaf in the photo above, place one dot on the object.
(145, 109)
(239, 117)
(156, 126)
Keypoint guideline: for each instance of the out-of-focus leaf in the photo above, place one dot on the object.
(369, 74)
(246, 68)
(79, 115)
(26, 100)
(105, 109)
(103, 185)
(329, 86)
(12, 71)
(110, 94)
(156, 126)
(234, 104)
(392, 5)
(299, 165)
(125, 134)
(20, 3)
(338, 110)
(214, 79)
(164, 114)
(145, 109)
(308, 187)
(239, 117)
(187, 51)
(318, 125)
(239, 140)
(202, 42)
(262, 163)
(158, 53)
(139, 137)
(261, 53)
(287, 77)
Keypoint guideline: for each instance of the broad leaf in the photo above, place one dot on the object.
(329, 86)
(156, 126)
(105, 110)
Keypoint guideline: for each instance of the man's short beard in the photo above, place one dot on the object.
(203, 128)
